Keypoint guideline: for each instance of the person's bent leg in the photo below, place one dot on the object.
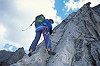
(48, 45)
(48, 42)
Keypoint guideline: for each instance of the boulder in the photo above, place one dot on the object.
(7, 58)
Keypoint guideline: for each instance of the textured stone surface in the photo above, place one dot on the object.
(8, 58)
(76, 42)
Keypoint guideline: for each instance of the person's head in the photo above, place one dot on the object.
(51, 21)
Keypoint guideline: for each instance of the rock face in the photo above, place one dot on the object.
(76, 42)
(8, 58)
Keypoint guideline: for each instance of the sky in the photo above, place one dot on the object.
(16, 15)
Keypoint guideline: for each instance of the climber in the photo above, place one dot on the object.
(39, 30)
(46, 33)
(39, 27)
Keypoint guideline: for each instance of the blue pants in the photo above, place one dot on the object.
(35, 41)
(47, 39)
(37, 37)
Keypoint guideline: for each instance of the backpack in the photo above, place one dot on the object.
(38, 20)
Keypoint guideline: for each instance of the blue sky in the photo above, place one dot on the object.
(16, 15)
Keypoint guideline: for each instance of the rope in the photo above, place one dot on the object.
(44, 57)
(26, 28)
(45, 53)
(29, 26)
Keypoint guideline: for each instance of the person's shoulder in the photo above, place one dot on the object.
(46, 20)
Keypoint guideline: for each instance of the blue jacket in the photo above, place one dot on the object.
(39, 27)
(48, 23)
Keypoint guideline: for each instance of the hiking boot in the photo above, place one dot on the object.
(51, 53)
(30, 54)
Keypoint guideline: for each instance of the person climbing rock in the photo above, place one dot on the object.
(46, 33)
(39, 29)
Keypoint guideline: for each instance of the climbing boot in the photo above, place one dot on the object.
(51, 53)
(30, 54)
